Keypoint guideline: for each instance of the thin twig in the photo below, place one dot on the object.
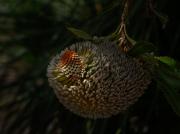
(124, 45)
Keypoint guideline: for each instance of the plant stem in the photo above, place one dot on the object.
(123, 42)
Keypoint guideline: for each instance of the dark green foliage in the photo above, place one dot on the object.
(32, 31)
(141, 48)
(168, 82)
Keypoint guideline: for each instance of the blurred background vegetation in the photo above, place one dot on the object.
(32, 31)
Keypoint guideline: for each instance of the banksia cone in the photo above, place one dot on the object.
(96, 81)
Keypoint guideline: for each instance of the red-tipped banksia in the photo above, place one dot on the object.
(96, 81)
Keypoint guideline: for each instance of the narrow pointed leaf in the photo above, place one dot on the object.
(167, 60)
(80, 33)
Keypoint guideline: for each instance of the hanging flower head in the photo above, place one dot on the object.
(96, 81)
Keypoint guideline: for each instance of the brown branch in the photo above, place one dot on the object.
(123, 43)
(125, 11)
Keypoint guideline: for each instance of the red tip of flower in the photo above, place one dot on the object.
(68, 56)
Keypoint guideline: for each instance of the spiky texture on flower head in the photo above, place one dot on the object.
(96, 81)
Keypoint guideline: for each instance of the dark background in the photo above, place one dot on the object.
(32, 31)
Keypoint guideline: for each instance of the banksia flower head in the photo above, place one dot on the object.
(96, 81)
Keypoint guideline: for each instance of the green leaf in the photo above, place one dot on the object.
(172, 97)
(118, 131)
(170, 75)
(169, 83)
(80, 33)
(142, 47)
(166, 60)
